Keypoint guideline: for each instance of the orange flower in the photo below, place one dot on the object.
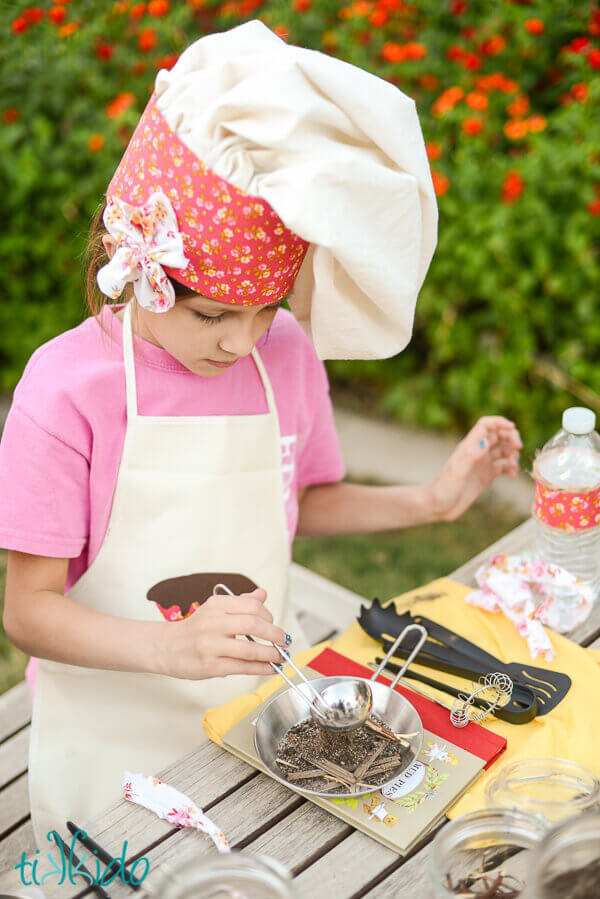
(477, 100)
(493, 46)
(68, 29)
(536, 123)
(496, 81)
(393, 52)
(594, 207)
(378, 18)
(441, 184)
(512, 187)
(10, 115)
(95, 143)
(434, 150)
(447, 100)
(519, 106)
(137, 11)
(121, 7)
(429, 82)
(166, 62)
(471, 61)
(282, 31)
(534, 26)
(471, 127)
(415, 50)
(580, 91)
(516, 129)
(147, 39)
(57, 14)
(158, 8)
(120, 104)
(302, 5)
(361, 8)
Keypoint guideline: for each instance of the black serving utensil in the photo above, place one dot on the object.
(98, 889)
(513, 712)
(102, 854)
(447, 651)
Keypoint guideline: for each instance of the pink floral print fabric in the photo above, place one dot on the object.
(567, 511)
(239, 250)
(147, 238)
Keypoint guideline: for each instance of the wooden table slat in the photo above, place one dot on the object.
(14, 756)
(15, 710)
(15, 804)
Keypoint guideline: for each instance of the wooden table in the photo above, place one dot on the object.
(328, 858)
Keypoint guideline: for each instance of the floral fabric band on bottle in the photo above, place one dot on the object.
(148, 238)
(567, 511)
(170, 804)
(525, 591)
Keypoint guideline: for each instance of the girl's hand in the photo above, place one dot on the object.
(490, 448)
(204, 644)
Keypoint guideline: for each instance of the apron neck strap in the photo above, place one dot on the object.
(130, 385)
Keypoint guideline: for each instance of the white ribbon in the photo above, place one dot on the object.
(148, 238)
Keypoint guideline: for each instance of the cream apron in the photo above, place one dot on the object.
(193, 494)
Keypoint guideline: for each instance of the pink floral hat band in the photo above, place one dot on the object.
(173, 217)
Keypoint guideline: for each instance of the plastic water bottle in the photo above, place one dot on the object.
(567, 498)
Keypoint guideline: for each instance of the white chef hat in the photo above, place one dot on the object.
(339, 156)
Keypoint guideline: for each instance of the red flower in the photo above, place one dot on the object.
(471, 61)
(415, 50)
(594, 58)
(519, 106)
(493, 46)
(441, 184)
(468, 33)
(139, 67)
(137, 11)
(393, 52)
(377, 19)
(580, 91)
(18, 26)
(166, 62)
(302, 5)
(158, 8)
(282, 31)
(512, 187)
(33, 15)
(147, 39)
(363, 37)
(429, 82)
(434, 150)
(104, 50)
(471, 127)
(95, 143)
(578, 45)
(454, 53)
(534, 26)
(594, 207)
(594, 27)
(57, 14)
(120, 104)
(10, 115)
(458, 7)
(477, 100)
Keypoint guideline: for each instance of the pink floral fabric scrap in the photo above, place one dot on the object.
(147, 238)
(532, 593)
(170, 804)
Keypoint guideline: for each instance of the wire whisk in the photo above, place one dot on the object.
(494, 689)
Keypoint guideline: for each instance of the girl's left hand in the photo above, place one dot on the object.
(490, 448)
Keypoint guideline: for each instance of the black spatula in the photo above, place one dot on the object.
(447, 651)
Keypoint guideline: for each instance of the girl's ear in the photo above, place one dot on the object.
(110, 244)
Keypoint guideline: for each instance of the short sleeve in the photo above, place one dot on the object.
(320, 459)
(44, 491)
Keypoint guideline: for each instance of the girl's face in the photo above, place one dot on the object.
(198, 331)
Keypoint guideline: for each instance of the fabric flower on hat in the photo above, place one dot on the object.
(147, 238)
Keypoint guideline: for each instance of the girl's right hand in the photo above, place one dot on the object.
(204, 644)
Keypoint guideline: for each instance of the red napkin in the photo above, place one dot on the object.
(473, 738)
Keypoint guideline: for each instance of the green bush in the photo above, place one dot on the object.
(508, 96)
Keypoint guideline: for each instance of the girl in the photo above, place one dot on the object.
(133, 482)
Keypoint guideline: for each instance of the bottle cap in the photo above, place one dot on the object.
(578, 420)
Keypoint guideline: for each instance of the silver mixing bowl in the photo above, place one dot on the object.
(287, 709)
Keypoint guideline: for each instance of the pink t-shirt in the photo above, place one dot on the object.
(63, 439)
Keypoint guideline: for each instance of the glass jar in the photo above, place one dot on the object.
(230, 875)
(482, 848)
(551, 789)
(566, 864)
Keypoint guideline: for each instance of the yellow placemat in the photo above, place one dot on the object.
(570, 731)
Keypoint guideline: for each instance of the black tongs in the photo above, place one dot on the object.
(536, 691)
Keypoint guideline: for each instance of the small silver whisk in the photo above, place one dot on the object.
(498, 687)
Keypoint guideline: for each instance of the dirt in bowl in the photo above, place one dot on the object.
(313, 758)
